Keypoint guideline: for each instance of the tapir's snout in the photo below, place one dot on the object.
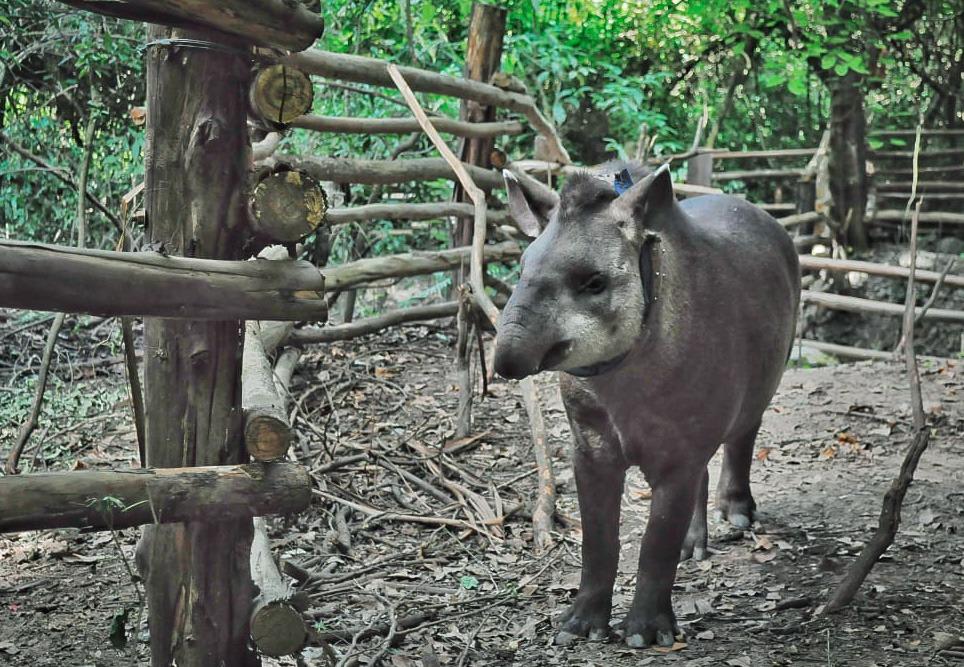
(514, 359)
(514, 363)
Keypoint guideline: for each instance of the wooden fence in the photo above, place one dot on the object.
(201, 424)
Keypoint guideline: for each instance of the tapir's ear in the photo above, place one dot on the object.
(528, 221)
(649, 195)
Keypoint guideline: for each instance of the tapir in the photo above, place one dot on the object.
(670, 323)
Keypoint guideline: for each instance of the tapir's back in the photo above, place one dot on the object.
(745, 292)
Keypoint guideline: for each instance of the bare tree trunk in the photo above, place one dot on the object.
(197, 574)
(848, 149)
(483, 59)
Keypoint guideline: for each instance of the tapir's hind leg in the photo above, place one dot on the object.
(600, 473)
(694, 545)
(733, 498)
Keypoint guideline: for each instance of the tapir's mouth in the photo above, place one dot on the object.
(597, 368)
(555, 355)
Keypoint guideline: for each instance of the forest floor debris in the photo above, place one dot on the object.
(417, 547)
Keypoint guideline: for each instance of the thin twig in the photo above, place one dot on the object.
(13, 460)
(889, 521)
(545, 502)
(934, 290)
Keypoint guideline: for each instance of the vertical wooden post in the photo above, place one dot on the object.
(699, 169)
(806, 200)
(847, 162)
(197, 575)
(483, 58)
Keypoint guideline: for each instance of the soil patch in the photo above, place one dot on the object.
(472, 592)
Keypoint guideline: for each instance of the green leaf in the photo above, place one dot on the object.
(797, 86)
(468, 582)
(828, 60)
(118, 629)
(840, 69)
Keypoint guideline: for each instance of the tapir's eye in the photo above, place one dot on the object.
(594, 284)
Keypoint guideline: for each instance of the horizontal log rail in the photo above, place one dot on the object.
(844, 351)
(428, 211)
(927, 216)
(928, 197)
(543, 168)
(371, 325)
(386, 172)
(150, 284)
(934, 132)
(459, 128)
(923, 187)
(278, 23)
(857, 305)
(809, 262)
(113, 499)
(776, 153)
(412, 264)
(753, 174)
(857, 353)
(362, 69)
(800, 219)
(926, 153)
(883, 172)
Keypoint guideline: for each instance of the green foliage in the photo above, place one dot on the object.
(58, 68)
(595, 67)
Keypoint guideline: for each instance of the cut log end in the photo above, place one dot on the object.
(498, 158)
(279, 94)
(278, 629)
(288, 205)
(266, 436)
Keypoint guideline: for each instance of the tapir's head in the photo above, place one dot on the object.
(580, 300)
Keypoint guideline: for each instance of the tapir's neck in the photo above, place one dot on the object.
(665, 258)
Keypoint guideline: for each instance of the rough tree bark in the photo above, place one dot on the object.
(848, 153)
(482, 59)
(197, 574)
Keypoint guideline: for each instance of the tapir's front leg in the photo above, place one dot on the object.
(600, 474)
(650, 618)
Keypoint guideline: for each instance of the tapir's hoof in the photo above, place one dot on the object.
(566, 638)
(738, 520)
(696, 553)
(694, 546)
(583, 621)
(661, 630)
(641, 641)
(738, 511)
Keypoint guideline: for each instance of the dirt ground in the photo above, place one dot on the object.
(474, 593)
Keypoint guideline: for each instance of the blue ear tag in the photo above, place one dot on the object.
(622, 182)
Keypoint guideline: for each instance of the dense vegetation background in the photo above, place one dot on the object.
(765, 71)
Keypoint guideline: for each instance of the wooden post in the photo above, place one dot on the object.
(482, 59)
(699, 169)
(806, 196)
(198, 578)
